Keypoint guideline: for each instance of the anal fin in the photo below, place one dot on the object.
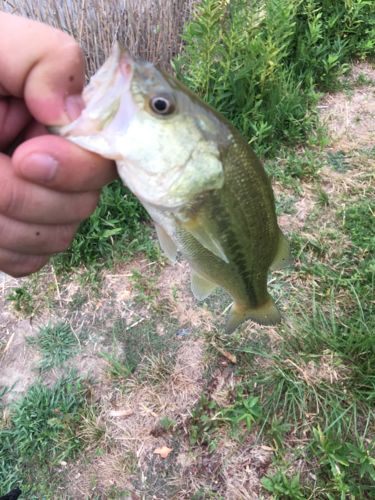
(201, 287)
(266, 314)
(282, 258)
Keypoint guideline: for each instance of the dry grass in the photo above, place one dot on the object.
(350, 116)
(175, 295)
(328, 368)
(151, 29)
(133, 431)
(244, 465)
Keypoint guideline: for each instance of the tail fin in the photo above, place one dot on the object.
(266, 314)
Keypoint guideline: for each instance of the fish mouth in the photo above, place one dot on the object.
(104, 95)
(115, 75)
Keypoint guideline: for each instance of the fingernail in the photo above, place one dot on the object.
(74, 104)
(39, 167)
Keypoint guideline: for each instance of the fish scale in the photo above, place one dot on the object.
(245, 277)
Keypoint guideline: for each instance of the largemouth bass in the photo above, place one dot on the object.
(199, 180)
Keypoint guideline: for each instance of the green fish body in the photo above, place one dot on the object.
(200, 181)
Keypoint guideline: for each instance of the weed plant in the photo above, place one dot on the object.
(262, 64)
(56, 344)
(22, 299)
(44, 429)
(209, 418)
(282, 486)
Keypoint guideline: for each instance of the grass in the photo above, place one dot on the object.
(338, 161)
(22, 299)
(43, 430)
(320, 368)
(146, 354)
(290, 168)
(311, 400)
(139, 355)
(118, 369)
(358, 223)
(156, 368)
(56, 344)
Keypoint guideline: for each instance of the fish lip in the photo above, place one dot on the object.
(120, 62)
(125, 61)
(112, 80)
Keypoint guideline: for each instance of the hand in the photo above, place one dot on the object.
(49, 185)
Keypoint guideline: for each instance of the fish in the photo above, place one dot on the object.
(200, 181)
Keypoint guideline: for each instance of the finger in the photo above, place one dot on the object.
(35, 239)
(73, 169)
(27, 202)
(18, 264)
(14, 117)
(45, 66)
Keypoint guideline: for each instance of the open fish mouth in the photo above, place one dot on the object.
(113, 77)
(107, 97)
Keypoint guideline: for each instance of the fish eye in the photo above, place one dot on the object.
(162, 105)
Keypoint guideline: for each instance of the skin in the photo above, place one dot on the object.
(47, 184)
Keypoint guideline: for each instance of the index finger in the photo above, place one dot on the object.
(45, 66)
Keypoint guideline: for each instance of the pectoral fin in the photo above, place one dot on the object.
(283, 257)
(201, 287)
(166, 243)
(266, 314)
(205, 238)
